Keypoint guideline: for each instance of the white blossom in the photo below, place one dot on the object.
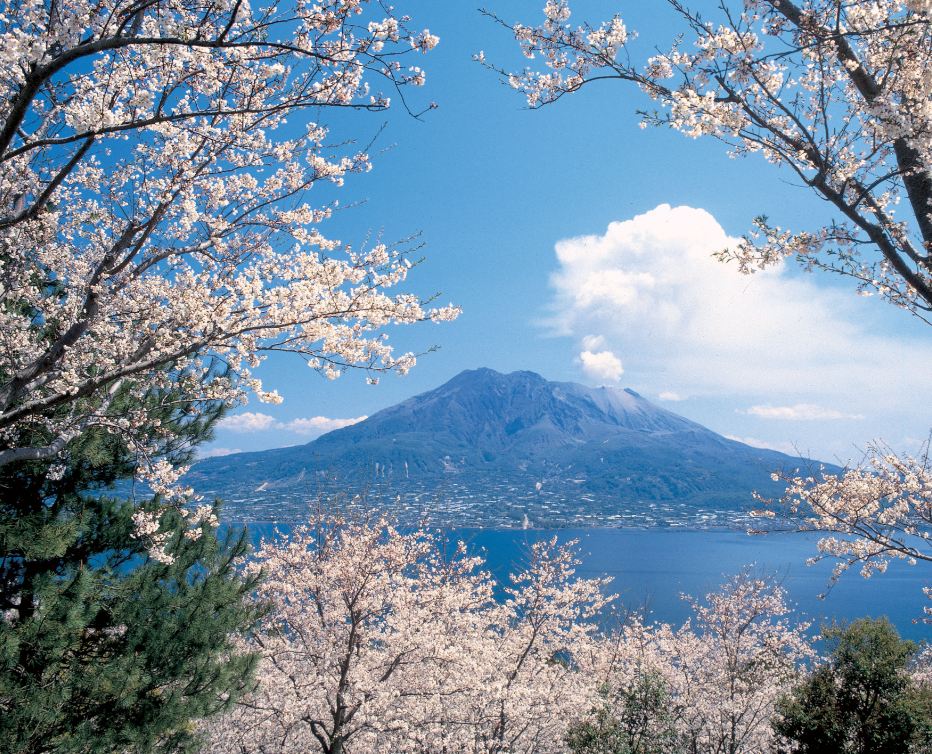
(155, 215)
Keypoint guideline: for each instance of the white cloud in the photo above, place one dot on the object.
(601, 365)
(248, 421)
(676, 316)
(593, 342)
(783, 447)
(669, 395)
(216, 452)
(318, 425)
(799, 412)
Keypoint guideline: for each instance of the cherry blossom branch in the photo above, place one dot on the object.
(185, 234)
(836, 92)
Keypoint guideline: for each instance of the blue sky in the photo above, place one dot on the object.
(575, 240)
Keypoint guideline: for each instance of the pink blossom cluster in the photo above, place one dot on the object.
(871, 514)
(155, 213)
(380, 640)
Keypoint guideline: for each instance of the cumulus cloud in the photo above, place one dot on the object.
(782, 446)
(660, 301)
(799, 412)
(249, 421)
(318, 425)
(593, 342)
(669, 395)
(601, 365)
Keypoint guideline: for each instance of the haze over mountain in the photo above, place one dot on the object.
(483, 436)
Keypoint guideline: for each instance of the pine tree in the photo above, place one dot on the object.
(104, 647)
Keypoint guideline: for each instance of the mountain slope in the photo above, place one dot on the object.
(486, 436)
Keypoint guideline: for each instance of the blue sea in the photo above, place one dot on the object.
(652, 568)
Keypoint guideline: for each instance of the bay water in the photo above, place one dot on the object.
(651, 569)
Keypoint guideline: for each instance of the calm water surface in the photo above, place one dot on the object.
(652, 568)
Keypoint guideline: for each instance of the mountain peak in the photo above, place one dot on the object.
(519, 412)
(485, 436)
(486, 374)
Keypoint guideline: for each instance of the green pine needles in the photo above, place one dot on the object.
(102, 647)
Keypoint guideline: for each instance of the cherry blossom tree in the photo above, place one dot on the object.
(882, 511)
(363, 625)
(380, 640)
(531, 682)
(636, 707)
(156, 228)
(745, 652)
(722, 673)
(840, 95)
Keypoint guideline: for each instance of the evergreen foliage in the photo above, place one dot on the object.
(102, 647)
(863, 701)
